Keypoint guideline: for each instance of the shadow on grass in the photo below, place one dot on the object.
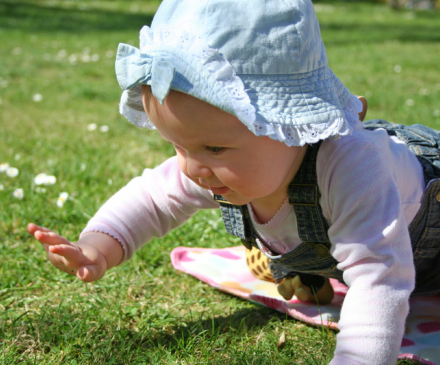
(247, 336)
(232, 338)
(31, 17)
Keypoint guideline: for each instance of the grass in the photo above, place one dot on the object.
(144, 311)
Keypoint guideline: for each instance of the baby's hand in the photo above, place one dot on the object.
(83, 260)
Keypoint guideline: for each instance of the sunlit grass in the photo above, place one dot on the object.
(59, 117)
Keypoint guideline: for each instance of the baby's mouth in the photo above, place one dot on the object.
(220, 190)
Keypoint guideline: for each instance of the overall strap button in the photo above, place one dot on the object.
(322, 250)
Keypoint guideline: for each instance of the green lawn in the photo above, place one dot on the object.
(56, 82)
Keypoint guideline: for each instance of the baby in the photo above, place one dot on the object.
(263, 129)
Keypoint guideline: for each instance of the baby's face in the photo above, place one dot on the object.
(216, 151)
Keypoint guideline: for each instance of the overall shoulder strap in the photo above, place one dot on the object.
(304, 196)
(237, 221)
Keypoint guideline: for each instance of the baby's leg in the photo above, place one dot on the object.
(258, 265)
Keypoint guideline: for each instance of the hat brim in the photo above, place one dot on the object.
(296, 109)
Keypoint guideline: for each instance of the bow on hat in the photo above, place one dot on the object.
(134, 68)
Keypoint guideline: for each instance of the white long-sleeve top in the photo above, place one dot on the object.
(371, 188)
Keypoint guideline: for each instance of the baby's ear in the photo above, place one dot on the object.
(364, 108)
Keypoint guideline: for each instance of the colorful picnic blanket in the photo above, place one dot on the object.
(226, 269)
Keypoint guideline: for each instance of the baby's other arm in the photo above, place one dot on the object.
(88, 259)
(371, 186)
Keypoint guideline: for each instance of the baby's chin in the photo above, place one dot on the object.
(235, 198)
(227, 193)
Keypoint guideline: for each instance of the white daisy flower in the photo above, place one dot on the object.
(4, 166)
(86, 58)
(92, 127)
(40, 190)
(73, 58)
(18, 193)
(12, 172)
(43, 179)
(397, 69)
(410, 102)
(62, 199)
(62, 53)
(40, 179)
(37, 98)
(104, 128)
(50, 180)
(2, 187)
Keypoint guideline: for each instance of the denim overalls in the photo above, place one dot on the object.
(312, 259)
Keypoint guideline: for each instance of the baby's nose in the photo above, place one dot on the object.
(196, 169)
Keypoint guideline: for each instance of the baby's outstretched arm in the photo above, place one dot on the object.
(88, 259)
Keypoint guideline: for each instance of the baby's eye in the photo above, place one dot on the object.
(215, 150)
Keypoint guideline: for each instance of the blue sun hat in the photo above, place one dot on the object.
(261, 60)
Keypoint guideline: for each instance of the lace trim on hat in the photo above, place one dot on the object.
(312, 133)
(223, 72)
(131, 107)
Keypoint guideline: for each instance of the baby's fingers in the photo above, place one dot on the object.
(73, 257)
(50, 238)
(45, 235)
(32, 228)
